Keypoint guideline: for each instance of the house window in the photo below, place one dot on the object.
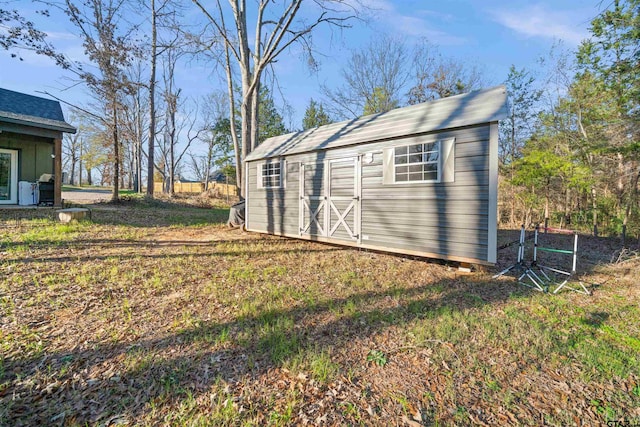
(417, 162)
(271, 175)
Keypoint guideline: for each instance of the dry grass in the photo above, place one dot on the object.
(158, 314)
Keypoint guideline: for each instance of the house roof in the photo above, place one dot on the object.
(20, 108)
(472, 108)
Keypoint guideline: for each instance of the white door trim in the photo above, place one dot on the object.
(354, 199)
(13, 171)
(319, 218)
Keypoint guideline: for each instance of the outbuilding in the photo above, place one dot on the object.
(31, 130)
(420, 180)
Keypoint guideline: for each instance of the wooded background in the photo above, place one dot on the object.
(569, 150)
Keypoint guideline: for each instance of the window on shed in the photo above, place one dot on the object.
(271, 175)
(417, 162)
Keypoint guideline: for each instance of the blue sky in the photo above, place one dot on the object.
(491, 34)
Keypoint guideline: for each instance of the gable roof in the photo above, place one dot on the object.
(20, 108)
(472, 108)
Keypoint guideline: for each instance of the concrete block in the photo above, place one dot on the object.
(68, 215)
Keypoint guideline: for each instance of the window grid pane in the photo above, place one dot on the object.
(417, 162)
(271, 175)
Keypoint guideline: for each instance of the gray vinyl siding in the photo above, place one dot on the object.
(274, 210)
(448, 219)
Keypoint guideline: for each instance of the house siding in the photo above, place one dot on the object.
(446, 220)
(274, 210)
(34, 154)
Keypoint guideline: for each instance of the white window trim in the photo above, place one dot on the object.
(418, 181)
(445, 162)
(283, 174)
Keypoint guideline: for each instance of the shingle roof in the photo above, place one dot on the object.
(482, 106)
(20, 108)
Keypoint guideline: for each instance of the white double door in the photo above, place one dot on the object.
(330, 199)
(8, 177)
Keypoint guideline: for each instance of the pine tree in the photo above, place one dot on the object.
(315, 116)
(611, 57)
(269, 120)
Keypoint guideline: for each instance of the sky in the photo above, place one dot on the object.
(491, 34)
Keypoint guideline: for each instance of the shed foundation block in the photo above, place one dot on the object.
(78, 214)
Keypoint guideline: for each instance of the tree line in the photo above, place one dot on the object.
(138, 123)
(569, 150)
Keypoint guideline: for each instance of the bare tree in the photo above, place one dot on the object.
(134, 122)
(72, 146)
(174, 129)
(71, 154)
(107, 39)
(374, 79)
(436, 76)
(387, 74)
(275, 30)
(162, 15)
(152, 98)
(216, 135)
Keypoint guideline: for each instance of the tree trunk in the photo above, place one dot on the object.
(173, 106)
(255, 114)
(633, 197)
(546, 208)
(72, 174)
(80, 166)
(245, 136)
(116, 153)
(172, 168)
(594, 206)
(138, 147)
(122, 175)
(152, 104)
(232, 123)
(207, 172)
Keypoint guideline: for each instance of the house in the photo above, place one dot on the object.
(220, 177)
(420, 180)
(31, 131)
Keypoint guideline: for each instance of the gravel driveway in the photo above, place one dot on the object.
(87, 196)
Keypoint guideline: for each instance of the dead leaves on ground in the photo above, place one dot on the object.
(177, 325)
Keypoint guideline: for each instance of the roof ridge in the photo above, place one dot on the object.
(31, 110)
(445, 113)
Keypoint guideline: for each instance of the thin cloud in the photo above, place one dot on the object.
(414, 25)
(59, 35)
(446, 17)
(537, 21)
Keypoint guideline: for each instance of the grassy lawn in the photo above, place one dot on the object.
(156, 314)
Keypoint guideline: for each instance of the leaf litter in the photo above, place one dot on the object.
(135, 320)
